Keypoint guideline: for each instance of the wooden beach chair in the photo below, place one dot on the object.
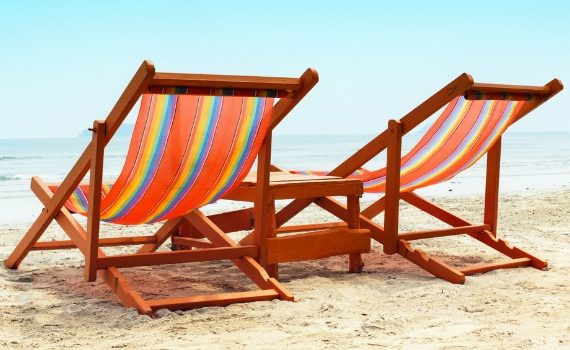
(195, 139)
(474, 117)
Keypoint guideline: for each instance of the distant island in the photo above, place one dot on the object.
(125, 130)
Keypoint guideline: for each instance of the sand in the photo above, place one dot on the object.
(392, 304)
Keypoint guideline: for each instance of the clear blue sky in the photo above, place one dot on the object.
(64, 63)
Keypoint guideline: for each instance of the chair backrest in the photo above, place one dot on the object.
(463, 133)
(185, 152)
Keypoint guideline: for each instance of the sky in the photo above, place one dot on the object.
(64, 63)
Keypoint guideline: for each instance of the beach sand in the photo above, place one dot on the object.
(392, 304)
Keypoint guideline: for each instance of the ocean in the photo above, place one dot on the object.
(530, 162)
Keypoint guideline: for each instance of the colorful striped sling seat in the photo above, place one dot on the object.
(462, 134)
(186, 151)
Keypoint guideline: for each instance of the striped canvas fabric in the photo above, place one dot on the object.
(464, 132)
(186, 151)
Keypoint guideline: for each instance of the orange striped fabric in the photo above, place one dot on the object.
(463, 133)
(186, 151)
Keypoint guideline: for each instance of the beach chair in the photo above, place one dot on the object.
(196, 138)
(474, 117)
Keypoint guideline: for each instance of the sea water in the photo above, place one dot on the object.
(530, 162)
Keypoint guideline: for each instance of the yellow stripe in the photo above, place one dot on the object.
(235, 151)
(441, 142)
(189, 162)
(132, 186)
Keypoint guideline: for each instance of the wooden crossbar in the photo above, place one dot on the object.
(317, 245)
(212, 300)
(226, 81)
(310, 227)
(103, 242)
(509, 89)
(410, 236)
(176, 257)
(482, 268)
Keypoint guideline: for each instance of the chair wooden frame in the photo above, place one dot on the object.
(220, 246)
(391, 140)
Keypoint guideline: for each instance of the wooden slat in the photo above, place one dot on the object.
(317, 245)
(316, 190)
(176, 257)
(482, 268)
(212, 300)
(509, 89)
(310, 227)
(103, 242)
(283, 176)
(410, 236)
(225, 81)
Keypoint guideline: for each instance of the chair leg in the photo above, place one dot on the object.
(392, 207)
(355, 263)
(93, 212)
(269, 231)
